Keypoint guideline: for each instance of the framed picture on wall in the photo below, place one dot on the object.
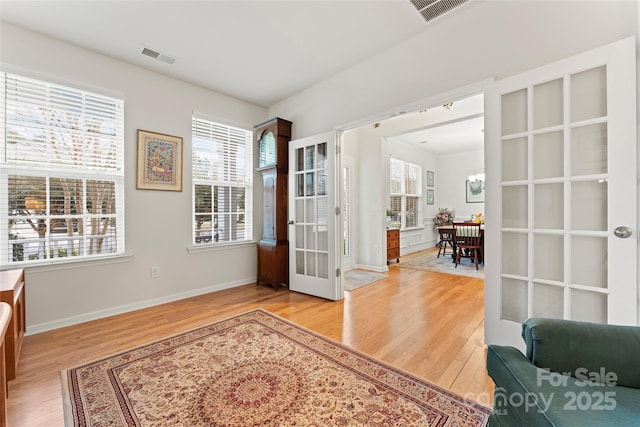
(430, 178)
(430, 197)
(475, 191)
(159, 161)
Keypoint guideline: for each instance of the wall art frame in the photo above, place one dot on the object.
(159, 161)
(474, 191)
(431, 178)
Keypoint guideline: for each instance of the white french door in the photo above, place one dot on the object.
(561, 236)
(314, 249)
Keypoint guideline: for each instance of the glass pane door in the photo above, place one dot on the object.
(564, 163)
(313, 254)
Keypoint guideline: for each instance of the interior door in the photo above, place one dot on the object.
(561, 206)
(347, 212)
(314, 249)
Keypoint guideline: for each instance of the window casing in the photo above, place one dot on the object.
(405, 193)
(222, 172)
(62, 173)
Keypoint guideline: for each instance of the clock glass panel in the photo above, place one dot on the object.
(267, 149)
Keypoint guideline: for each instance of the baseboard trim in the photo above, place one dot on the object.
(74, 320)
(372, 268)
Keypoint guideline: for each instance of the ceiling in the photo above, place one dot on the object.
(258, 51)
(448, 138)
(441, 129)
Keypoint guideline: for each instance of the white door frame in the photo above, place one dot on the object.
(348, 262)
(429, 102)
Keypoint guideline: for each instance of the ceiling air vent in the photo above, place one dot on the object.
(431, 9)
(151, 53)
(157, 55)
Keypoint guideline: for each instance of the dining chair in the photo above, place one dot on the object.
(446, 238)
(467, 241)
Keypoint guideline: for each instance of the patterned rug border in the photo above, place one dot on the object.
(252, 316)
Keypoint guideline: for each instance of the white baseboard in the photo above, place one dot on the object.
(74, 320)
(372, 268)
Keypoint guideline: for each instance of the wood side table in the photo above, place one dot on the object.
(393, 245)
(12, 292)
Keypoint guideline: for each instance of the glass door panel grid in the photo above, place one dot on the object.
(554, 199)
(311, 211)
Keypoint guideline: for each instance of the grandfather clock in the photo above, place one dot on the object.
(273, 249)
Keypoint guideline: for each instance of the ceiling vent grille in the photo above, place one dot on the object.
(431, 9)
(157, 55)
(151, 53)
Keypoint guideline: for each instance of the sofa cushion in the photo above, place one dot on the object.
(598, 352)
(530, 396)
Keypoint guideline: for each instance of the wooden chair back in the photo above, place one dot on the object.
(468, 241)
(446, 238)
(467, 235)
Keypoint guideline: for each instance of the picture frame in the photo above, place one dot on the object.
(159, 161)
(430, 178)
(430, 197)
(475, 191)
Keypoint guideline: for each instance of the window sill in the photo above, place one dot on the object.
(220, 246)
(46, 266)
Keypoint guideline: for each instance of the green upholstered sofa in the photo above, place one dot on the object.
(573, 374)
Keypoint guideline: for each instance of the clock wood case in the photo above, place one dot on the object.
(273, 249)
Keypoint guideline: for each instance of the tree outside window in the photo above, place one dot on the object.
(62, 167)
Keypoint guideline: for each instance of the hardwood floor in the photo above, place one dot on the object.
(426, 323)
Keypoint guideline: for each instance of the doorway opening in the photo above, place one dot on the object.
(438, 148)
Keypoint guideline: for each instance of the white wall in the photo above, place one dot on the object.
(371, 220)
(453, 170)
(485, 39)
(158, 224)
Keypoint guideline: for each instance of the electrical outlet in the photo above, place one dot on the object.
(155, 272)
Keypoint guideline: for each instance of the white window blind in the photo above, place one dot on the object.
(62, 180)
(405, 193)
(222, 171)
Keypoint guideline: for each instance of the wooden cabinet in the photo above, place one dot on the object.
(273, 249)
(12, 292)
(5, 318)
(393, 245)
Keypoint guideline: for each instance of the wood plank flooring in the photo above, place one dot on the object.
(426, 323)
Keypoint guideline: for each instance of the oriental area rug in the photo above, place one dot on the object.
(255, 369)
(444, 264)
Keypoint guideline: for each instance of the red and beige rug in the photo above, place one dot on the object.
(255, 369)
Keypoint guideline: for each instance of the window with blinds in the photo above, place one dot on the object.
(405, 194)
(222, 183)
(61, 177)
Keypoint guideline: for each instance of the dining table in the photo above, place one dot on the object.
(449, 227)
